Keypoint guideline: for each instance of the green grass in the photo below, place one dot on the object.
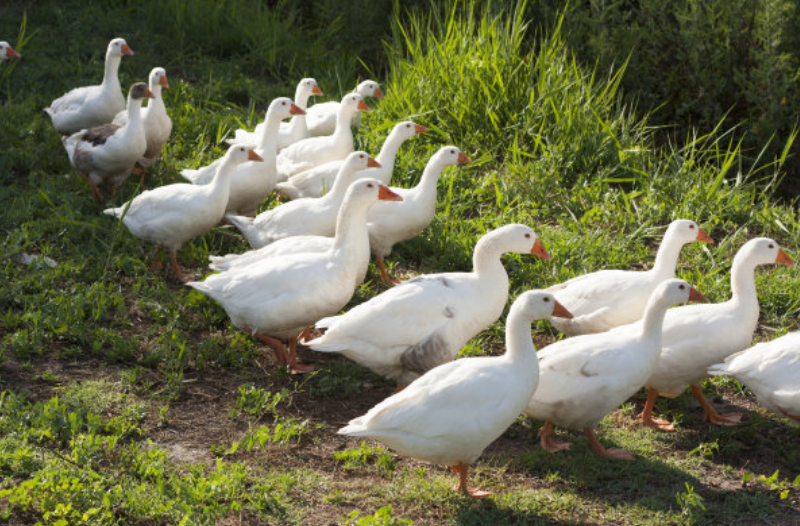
(108, 369)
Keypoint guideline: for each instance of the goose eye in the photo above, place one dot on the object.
(691, 226)
(771, 245)
(360, 156)
(370, 185)
(527, 236)
(547, 300)
(682, 287)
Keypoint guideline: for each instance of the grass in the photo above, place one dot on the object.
(127, 399)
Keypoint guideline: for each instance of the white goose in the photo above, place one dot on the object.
(310, 216)
(280, 297)
(6, 51)
(771, 370)
(314, 182)
(322, 117)
(107, 153)
(157, 124)
(290, 132)
(314, 151)
(602, 300)
(170, 215)
(90, 106)
(451, 413)
(252, 182)
(582, 379)
(423, 322)
(389, 225)
(699, 336)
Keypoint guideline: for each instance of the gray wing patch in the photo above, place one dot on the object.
(426, 355)
(100, 134)
(83, 160)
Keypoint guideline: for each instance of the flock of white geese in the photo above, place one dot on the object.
(310, 254)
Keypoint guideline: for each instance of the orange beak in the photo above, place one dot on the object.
(463, 159)
(703, 237)
(694, 295)
(11, 53)
(363, 106)
(253, 156)
(372, 163)
(539, 251)
(296, 110)
(316, 91)
(163, 81)
(783, 259)
(148, 93)
(126, 50)
(561, 311)
(384, 194)
(420, 129)
(378, 93)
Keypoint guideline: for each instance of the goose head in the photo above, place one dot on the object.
(353, 102)
(539, 305)
(763, 251)
(240, 153)
(308, 87)
(369, 88)
(685, 231)
(369, 191)
(6, 51)
(517, 238)
(450, 155)
(357, 161)
(675, 291)
(139, 91)
(118, 47)
(408, 129)
(284, 108)
(158, 77)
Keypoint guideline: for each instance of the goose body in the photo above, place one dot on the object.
(389, 225)
(423, 322)
(770, 370)
(170, 215)
(157, 124)
(279, 297)
(602, 300)
(316, 181)
(583, 378)
(90, 106)
(289, 132)
(314, 151)
(451, 413)
(310, 216)
(251, 183)
(322, 117)
(107, 153)
(699, 336)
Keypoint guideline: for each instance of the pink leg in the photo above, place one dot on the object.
(547, 441)
(463, 471)
(619, 454)
(647, 413)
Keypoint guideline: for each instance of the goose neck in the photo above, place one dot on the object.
(653, 320)
(743, 283)
(111, 70)
(343, 119)
(667, 257)
(519, 345)
(351, 226)
(486, 261)
(269, 139)
(389, 149)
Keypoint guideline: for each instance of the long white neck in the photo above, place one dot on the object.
(268, 148)
(426, 188)
(390, 148)
(134, 109)
(519, 345)
(220, 185)
(298, 124)
(486, 261)
(343, 119)
(653, 321)
(344, 178)
(667, 256)
(743, 284)
(156, 102)
(351, 228)
(110, 73)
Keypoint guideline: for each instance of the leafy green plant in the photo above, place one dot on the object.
(383, 517)
(364, 456)
(689, 501)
